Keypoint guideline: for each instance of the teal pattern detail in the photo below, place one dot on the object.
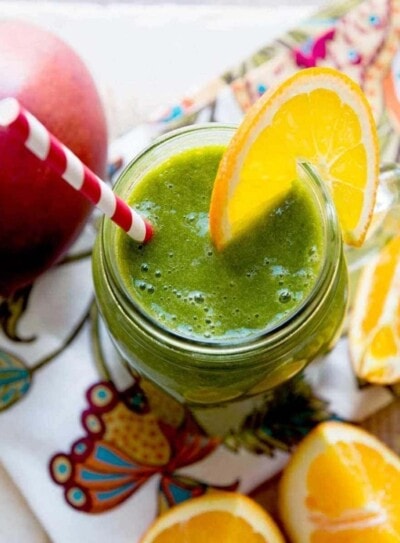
(15, 379)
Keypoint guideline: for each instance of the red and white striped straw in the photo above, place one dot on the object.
(63, 161)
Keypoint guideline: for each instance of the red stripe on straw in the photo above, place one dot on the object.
(21, 128)
(52, 152)
(149, 232)
(56, 157)
(122, 215)
(91, 187)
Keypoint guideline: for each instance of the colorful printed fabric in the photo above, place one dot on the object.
(360, 38)
(103, 440)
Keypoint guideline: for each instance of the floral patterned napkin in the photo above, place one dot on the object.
(81, 435)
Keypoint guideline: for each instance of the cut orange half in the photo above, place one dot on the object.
(341, 485)
(319, 116)
(216, 517)
(374, 328)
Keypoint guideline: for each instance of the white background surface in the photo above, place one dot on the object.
(145, 57)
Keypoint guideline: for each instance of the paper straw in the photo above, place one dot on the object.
(45, 146)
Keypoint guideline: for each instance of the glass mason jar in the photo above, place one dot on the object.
(202, 373)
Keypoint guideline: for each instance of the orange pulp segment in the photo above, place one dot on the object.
(374, 330)
(219, 516)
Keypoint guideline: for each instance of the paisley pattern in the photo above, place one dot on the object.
(125, 445)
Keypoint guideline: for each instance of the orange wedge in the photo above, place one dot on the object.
(217, 517)
(374, 329)
(319, 116)
(342, 485)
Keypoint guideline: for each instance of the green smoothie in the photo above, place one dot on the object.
(210, 327)
(182, 282)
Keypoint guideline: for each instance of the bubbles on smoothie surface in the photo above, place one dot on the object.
(284, 296)
(196, 297)
(144, 286)
(182, 281)
(197, 222)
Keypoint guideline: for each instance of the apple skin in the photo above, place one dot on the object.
(40, 214)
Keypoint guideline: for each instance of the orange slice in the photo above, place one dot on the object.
(374, 328)
(220, 516)
(342, 485)
(319, 116)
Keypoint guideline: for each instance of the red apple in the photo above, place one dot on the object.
(40, 214)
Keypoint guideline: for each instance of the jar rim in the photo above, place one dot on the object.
(274, 334)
